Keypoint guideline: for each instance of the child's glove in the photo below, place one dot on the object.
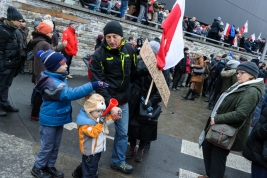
(99, 84)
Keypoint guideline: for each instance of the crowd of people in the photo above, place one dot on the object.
(141, 11)
(215, 31)
(234, 89)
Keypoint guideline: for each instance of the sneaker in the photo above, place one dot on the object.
(139, 155)
(40, 173)
(35, 118)
(125, 168)
(69, 77)
(178, 89)
(10, 108)
(174, 89)
(130, 152)
(54, 172)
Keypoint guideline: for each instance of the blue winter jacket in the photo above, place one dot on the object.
(57, 96)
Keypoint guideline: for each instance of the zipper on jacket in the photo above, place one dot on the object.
(122, 56)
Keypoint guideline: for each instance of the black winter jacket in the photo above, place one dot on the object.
(116, 67)
(181, 64)
(215, 27)
(9, 47)
(256, 145)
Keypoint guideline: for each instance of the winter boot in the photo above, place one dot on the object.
(139, 155)
(54, 172)
(130, 152)
(187, 94)
(193, 95)
(40, 173)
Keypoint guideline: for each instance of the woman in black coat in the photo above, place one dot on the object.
(139, 126)
(256, 146)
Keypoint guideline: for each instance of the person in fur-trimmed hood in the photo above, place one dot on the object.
(228, 74)
(92, 129)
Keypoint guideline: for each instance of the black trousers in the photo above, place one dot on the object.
(69, 59)
(89, 166)
(176, 78)
(37, 102)
(6, 79)
(214, 159)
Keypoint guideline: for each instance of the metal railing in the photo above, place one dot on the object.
(127, 15)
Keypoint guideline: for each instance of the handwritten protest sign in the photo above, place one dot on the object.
(149, 59)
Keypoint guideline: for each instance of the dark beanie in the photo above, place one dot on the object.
(52, 60)
(13, 14)
(256, 61)
(113, 27)
(249, 67)
(186, 49)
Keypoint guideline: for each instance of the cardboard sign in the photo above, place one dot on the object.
(150, 60)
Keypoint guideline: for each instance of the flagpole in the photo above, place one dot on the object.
(264, 52)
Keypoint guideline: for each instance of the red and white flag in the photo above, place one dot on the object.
(227, 29)
(235, 41)
(172, 42)
(244, 29)
(252, 37)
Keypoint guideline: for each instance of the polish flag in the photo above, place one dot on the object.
(172, 42)
(244, 29)
(252, 37)
(235, 41)
(152, 1)
(227, 29)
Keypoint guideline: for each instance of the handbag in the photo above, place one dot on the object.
(30, 55)
(222, 135)
(149, 117)
(199, 71)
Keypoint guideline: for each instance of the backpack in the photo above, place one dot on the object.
(232, 32)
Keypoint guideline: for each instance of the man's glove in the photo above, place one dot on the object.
(99, 84)
(149, 104)
(102, 120)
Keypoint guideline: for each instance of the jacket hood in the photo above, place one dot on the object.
(37, 37)
(215, 20)
(228, 73)
(46, 82)
(257, 83)
(83, 119)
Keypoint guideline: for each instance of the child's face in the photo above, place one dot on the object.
(96, 114)
(62, 68)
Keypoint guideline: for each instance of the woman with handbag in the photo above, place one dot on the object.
(255, 149)
(198, 70)
(143, 117)
(228, 126)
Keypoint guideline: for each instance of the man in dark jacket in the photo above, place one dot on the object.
(179, 70)
(191, 25)
(215, 28)
(9, 56)
(23, 33)
(247, 45)
(114, 63)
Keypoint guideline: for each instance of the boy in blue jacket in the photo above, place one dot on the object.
(56, 110)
